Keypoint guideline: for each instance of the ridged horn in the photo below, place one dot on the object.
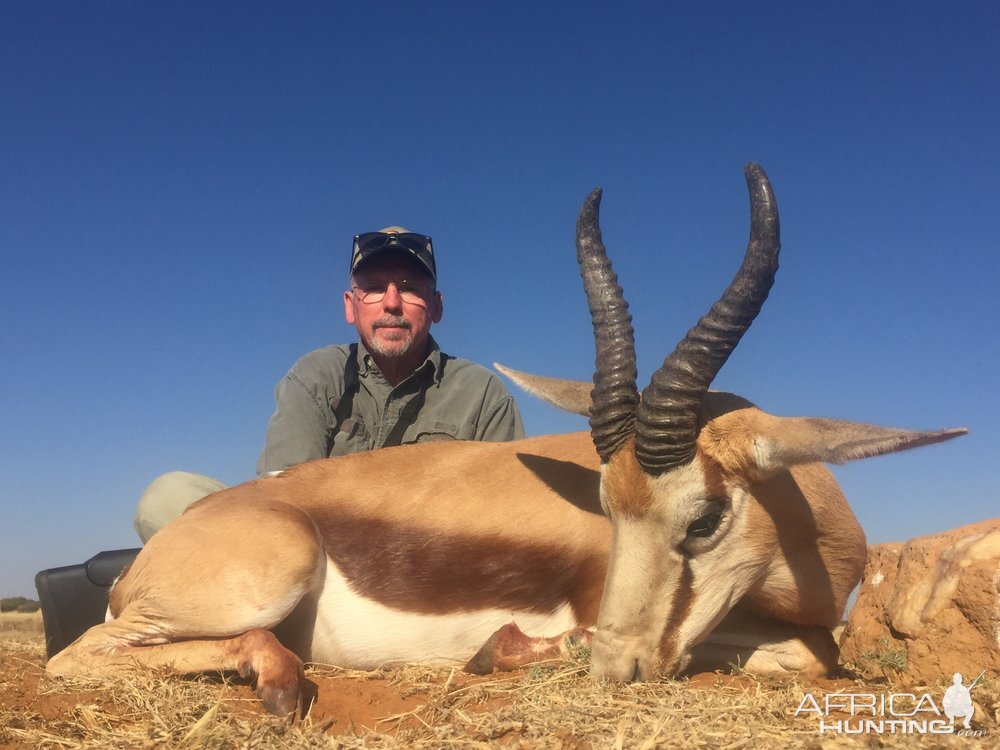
(667, 418)
(614, 398)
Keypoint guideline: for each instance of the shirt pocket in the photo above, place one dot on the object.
(435, 432)
(352, 437)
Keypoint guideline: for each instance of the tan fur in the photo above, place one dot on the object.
(728, 439)
(815, 546)
(625, 486)
(712, 472)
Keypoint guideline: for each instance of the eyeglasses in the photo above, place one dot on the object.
(419, 245)
(410, 292)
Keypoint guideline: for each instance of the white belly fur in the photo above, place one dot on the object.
(356, 632)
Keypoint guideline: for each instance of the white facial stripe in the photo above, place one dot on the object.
(721, 577)
(642, 574)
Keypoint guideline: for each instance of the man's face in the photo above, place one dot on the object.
(399, 323)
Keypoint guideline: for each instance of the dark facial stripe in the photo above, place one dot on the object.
(680, 608)
(412, 569)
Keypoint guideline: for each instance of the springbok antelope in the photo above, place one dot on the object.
(720, 534)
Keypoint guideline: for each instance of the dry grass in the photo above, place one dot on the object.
(16, 624)
(544, 707)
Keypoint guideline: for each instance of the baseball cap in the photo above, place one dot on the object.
(370, 244)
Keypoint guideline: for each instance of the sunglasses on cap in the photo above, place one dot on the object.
(417, 245)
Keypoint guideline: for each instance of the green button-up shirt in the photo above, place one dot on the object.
(335, 401)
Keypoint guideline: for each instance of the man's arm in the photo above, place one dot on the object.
(501, 421)
(302, 426)
(299, 428)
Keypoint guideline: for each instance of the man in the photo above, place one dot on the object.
(394, 387)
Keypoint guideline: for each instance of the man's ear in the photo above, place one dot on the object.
(349, 307)
(437, 307)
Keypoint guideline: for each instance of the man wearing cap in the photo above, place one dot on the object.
(393, 387)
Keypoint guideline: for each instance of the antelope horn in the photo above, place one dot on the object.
(668, 415)
(612, 412)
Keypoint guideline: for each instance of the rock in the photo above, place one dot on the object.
(929, 608)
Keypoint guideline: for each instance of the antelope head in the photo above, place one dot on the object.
(677, 488)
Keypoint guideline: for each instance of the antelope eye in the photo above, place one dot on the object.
(706, 525)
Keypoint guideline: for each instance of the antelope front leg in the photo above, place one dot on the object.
(280, 682)
(767, 647)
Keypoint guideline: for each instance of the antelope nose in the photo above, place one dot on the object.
(614, 659)
(626, 670)
(636, 673)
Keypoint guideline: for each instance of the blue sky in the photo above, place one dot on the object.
(180, 182)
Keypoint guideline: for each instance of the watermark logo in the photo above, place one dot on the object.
(957, 700)
(894, 713)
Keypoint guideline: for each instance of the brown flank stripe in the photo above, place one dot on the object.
(416, 570)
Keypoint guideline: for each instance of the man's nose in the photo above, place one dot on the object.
(392, 299)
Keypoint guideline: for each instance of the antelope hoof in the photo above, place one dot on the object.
(288, 701)
(281, 682)
(280, 701)
(482, 662)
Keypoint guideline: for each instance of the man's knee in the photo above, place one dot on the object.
(166, 498)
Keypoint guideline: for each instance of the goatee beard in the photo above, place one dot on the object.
(394, 347)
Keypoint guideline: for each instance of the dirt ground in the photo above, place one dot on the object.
(348, 703)
(553, 705)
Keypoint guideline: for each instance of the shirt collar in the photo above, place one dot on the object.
(366, 365)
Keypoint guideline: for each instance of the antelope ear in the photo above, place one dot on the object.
(574, 395)
(749, 439)
(569, 395)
